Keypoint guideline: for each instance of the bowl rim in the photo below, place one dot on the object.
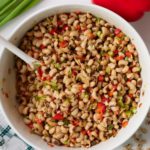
(32, 15)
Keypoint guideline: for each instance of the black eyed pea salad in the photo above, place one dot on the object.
(88, 85)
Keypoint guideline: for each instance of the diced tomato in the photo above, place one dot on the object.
(58, 116)
(116, 52)
(46, 78)
(117, 31)
(75, 122)
(42, 46)
(40, 72)
(100, 78)
(104, 99)
(119, 58)
(101, 108)
(39, 121)
(63, 44)
(53, 31)
(128, 54)
(74, 72)
(124, 124)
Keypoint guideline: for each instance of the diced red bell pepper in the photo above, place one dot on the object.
(124, 124)
(81, 88)
(53, 31)
(100, 78)
(78, 27)
(101, 108)
(116, 52)
(75, 122)
(63, 44)
(65, 27)
(40, 72)
(58, 116)
(130, 95)
(88, 132)
(74, 72)
(83, 132)
(128, 54)
(117, 31)
(42, 46)
(119, 58)
(105, 99)
(39, 121)
(30, 125)
(59, 23)
(46, 78)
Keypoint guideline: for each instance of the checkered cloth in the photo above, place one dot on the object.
(8, 138)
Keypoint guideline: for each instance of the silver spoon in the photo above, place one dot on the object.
(18, 52)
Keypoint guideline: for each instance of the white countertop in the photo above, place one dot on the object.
(142, 26)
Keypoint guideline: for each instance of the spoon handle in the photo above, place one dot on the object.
(15, 50)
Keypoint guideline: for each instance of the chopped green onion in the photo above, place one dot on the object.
(53, 85)
(110, 127)
(66, 122)
(126, 107)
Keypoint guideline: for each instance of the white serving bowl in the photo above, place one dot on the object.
(8, 105)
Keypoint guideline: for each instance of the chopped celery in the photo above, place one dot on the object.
(126, 58)
(38, 98)
(57, 66)
(110, 53)
(70, 72)
(133, 110)
(120, 102)
(128, 113)
(99, 33)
